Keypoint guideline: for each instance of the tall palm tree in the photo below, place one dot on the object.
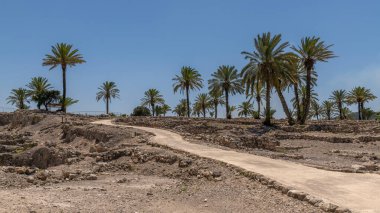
(226, 79)
(267, 65)
(311, 50)
(316, 109)
(107, 91)
(64, 55)
(216, 99)
(231, 109)
(36, 89)
(203, 100)
(327, 109)
(19, 97)
(360, 95)
(189, 79)
(196, 109)
(245, 109)
(253, 88)
(339, 98)
(151, 98)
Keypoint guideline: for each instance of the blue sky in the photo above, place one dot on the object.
(142, 44)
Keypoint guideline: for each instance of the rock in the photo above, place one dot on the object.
(42, 175)
(92, 149)
(370, 166)
(296, 194)
(149, 193)
(123, 180)
(185, 162)
(30, 179)
(312, 200)
(92, 177)
(342, 210)
(328, 207)
(216, 174)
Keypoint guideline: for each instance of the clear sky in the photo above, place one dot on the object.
(142, 44)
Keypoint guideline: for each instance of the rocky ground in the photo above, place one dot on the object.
(348, 146)
(75, 166)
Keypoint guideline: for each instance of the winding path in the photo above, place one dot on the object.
(358, 192)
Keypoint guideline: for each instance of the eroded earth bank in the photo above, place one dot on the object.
(76, 166)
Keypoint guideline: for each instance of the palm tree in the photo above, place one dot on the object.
(298, 104)
(165, 109)
(18, 97)
(267, 65)
(311, 50)
(216, 99)
(245, 109)
(107, 91)
(181, 108)
(196, 110)
(68, 102)
(316, 109)
(360, 95)
(253, 88)
(231, 109)
(151, 98)
(339, 97)
(36, 88)
(189, 79)
(63, 55)
(226, 79)
(327, 109)
(203, 100)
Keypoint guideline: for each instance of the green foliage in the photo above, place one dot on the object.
(245, 109)
(327, 109)
(189, 79)
(37, 89)
(203, 102)
(107, 91)
(181, 108)
(339, 98)
(152, 97)
(141, 111)
(19, 97)
(227, 80)
(64, 55)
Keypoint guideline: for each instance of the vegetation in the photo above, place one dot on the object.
(216, 99)
(19, 97)
(203, 101)
(267, 63)
(141, 111)
(226, 79)
(360, 95)
(189, 79)
(339, 98)
(37, 89)
(107, 91)
(152, 97)
(181, 109)
(245, 109)
(310, 51)
(327, 109)
(162, 110)
(63, 55)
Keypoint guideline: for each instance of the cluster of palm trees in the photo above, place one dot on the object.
(273, 66)
(40, 91)
(337, 104)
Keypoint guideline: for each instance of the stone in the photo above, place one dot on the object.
(42, 175)
(328, 207)
(92, 177)
(185, 162)
(216, 174)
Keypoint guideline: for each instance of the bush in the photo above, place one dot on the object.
(141, 111)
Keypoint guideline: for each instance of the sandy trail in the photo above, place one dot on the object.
(358, 192)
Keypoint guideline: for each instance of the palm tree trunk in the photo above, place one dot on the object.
(204, 111)
(188, 102)
(267, 113)
(359, 111)
(107, 106)
(153, 110)
(340, 111)
(64, 88)
(227, 105)
(258, 100)
(297, 98)
(285, 106)
(362, 109)
(216, 110)
(306, 104)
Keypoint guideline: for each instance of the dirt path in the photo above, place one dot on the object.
(358, 192)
